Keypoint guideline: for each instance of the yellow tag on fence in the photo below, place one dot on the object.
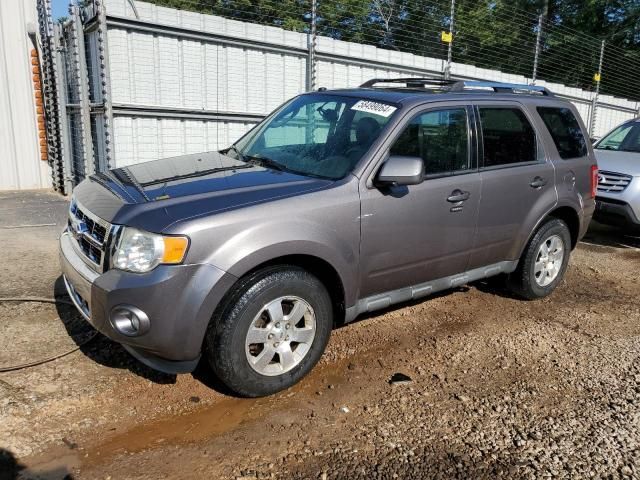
(446, 37)
(596, 77)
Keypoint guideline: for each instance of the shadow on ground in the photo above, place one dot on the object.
(606, 236)
(12, 469)
(108, 353)
(99, 348)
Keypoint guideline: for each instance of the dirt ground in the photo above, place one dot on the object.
(500, 388)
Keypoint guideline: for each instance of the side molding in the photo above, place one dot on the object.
(386, 299)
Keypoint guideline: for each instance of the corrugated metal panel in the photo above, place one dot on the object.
(608, 118)
(584, 110)
(146, 138)
(20, 164)
(164, 71)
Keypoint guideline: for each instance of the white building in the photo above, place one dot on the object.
(21, 166)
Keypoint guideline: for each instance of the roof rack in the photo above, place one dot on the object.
(500, 87)
(410, 82)
(431, 84)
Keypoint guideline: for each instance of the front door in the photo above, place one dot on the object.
(423, 232)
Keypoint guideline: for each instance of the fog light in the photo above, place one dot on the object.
(129, 320)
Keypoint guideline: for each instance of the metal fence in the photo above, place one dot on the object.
(135, 81)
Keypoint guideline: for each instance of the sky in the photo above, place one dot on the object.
(60, 8)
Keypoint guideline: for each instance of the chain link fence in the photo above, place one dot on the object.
(492, 35)
(189, 74)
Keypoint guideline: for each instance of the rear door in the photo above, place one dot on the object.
(413, 234)
(518, 181)
(573, 160)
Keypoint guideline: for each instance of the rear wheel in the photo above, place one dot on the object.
(544, 261)
(270, 332)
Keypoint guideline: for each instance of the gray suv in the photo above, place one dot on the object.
(339, 203)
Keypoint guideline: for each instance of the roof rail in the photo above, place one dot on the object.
(500, 87)
(411, 82)
(460, 85)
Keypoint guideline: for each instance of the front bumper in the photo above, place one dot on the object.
(615, 212)
(179, 301)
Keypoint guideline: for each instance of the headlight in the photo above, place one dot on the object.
(139, 251)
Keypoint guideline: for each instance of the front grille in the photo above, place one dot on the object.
(97, 231)
(91, 234)
(612, 182)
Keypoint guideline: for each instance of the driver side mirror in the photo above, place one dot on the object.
(401, 170)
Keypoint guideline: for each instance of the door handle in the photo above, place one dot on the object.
(458, 196)
(538, 182)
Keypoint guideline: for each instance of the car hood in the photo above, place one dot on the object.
(153, 195)
(621, 162)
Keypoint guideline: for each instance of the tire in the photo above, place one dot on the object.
(528, 280)
(242, 366)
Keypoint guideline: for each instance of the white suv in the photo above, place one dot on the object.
(618, 198)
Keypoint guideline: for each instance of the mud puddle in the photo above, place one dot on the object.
(203, 424)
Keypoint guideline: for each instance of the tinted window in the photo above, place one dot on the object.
(508, 136)
(439, 138)
(565, 131)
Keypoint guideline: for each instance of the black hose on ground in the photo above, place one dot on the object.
(53, 357)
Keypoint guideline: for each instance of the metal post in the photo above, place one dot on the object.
(311, 45)
(50, 91)
(447, 68)
(107, 154)
(536, 57)
(82, 79)
(61, 98)
(594, 103)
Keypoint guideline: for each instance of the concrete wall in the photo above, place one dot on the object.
(20, 164)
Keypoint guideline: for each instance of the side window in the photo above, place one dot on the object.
(565, 131)
(508, 136)
(440, 138)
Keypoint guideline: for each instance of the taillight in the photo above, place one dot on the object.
(594, 181)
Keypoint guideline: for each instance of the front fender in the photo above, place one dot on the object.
(254, 246)
(323, 224)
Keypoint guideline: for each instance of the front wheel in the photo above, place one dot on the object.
(270, 332)
(544, 261)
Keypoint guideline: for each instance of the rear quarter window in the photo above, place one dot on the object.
(565, 131)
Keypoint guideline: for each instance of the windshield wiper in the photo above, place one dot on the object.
(265, 162)
(252, 159)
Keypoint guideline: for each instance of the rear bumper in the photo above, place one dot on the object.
(178, 300)
(615, 212)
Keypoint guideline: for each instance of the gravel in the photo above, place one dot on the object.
(499, 388)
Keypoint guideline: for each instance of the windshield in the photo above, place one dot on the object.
(316, 135)
(625, 138)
